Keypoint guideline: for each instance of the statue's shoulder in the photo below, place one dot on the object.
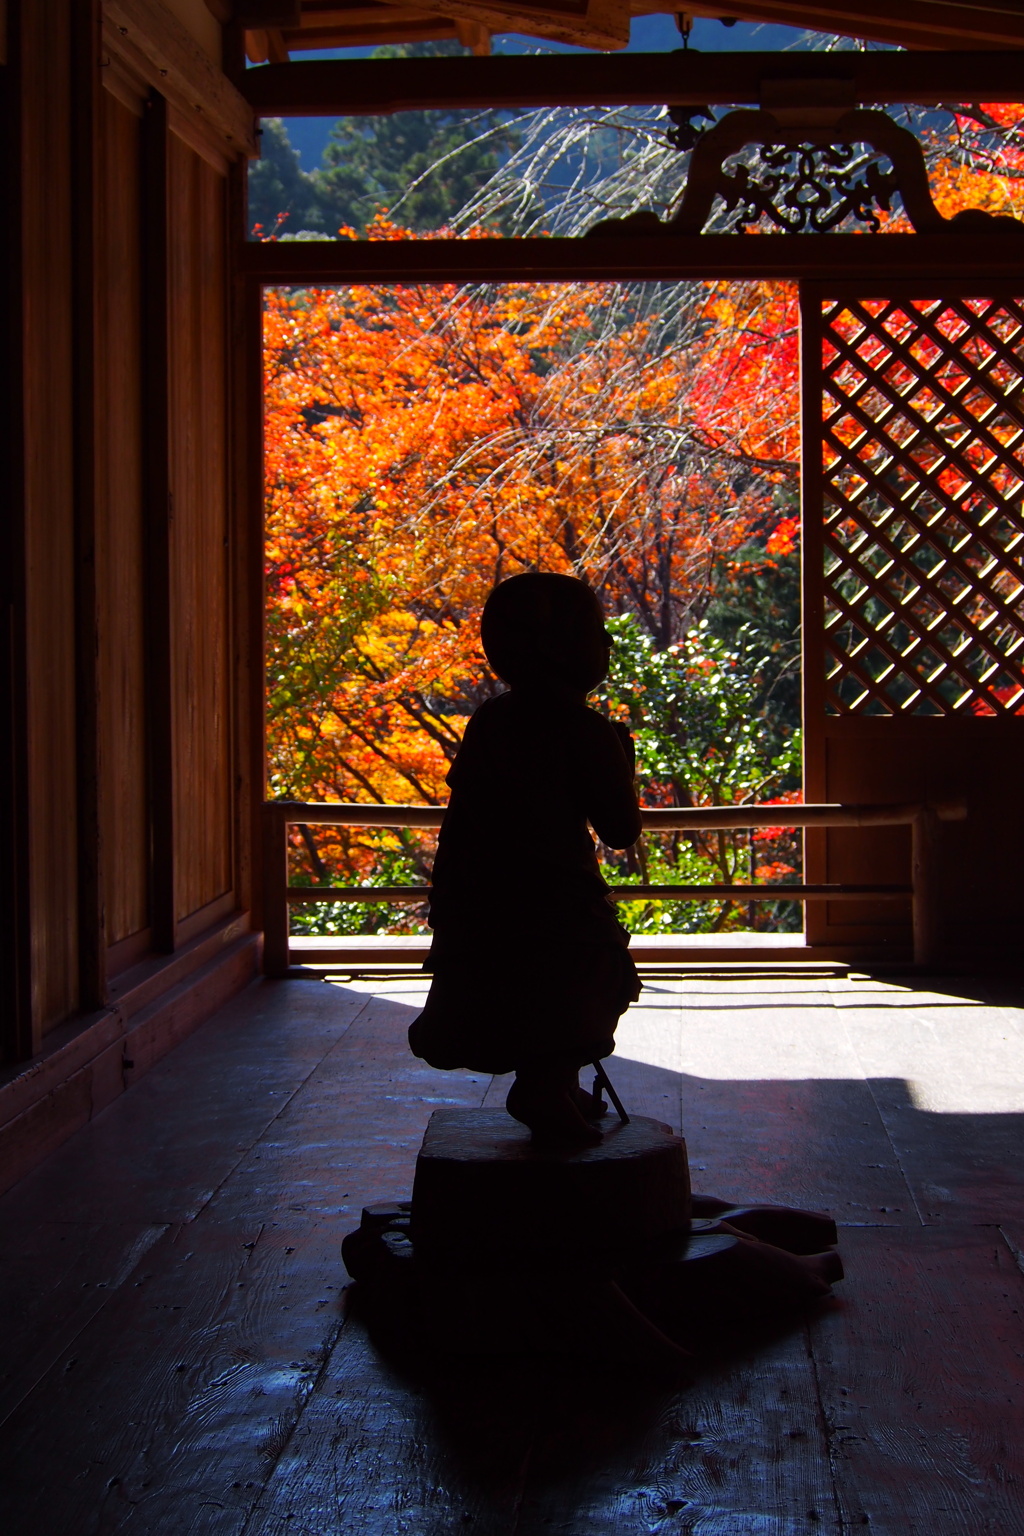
(598, 726)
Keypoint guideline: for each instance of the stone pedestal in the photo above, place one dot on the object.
(484, 1192)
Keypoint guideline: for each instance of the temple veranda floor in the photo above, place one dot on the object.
(177, 1355)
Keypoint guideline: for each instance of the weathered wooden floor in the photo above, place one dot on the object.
(176, 1357)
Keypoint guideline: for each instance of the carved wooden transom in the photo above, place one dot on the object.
(808, 189)
(803, 178)
(923, 441)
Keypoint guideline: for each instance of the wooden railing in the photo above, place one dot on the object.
(922, 819)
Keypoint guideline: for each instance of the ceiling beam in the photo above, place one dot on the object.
(335, 87)
(863, 259)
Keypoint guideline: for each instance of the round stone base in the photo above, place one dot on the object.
(483, 1190)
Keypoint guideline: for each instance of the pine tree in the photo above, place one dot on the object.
(426, 165)
(281, 194)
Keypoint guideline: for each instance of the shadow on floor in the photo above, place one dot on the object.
(493, 1421)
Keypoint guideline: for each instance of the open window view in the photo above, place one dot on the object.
(424, 442)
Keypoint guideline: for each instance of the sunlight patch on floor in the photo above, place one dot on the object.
(953, 1054)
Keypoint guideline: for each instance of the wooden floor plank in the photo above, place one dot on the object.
(52, 1285)
(178, 1362)
(497, 1090)
(819, 1144)
(923, 1383)
(380, 1451)
(775, 1106)
(740, 1451)
(159, 1152)
(948, 1079)
(646, 1068)
(1013, 1235)
(352, 1135)
(165, 1414)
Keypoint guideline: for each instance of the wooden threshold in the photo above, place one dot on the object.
(407, 952)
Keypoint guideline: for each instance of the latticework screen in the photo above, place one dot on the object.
(923, 436)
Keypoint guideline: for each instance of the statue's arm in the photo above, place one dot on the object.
(611, 802)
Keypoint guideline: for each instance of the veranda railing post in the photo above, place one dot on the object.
(924, 833)
(275, 891)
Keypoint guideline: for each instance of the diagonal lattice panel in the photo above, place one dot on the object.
(922, 433)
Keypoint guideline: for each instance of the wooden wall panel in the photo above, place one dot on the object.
(925, 758)
(200, 572)
(117, 787)
(49, 508)
(120, 551)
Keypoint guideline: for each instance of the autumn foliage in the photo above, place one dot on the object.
(423, 442)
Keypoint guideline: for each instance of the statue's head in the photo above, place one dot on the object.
(540, 630)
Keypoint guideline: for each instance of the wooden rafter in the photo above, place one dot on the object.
(586, 23)
(908, 23)
(605, 24)
(368, 25)
(157, 48)
(600, 24)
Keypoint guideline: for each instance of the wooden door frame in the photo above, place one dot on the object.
(876, 265)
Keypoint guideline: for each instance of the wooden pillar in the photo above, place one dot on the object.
(275, 885)
(85, 85)
(812, 616)
(16, 1024)
(158, 512)
(246, 469)
(42, 36)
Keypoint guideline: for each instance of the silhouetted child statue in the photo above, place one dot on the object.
(530, 965)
